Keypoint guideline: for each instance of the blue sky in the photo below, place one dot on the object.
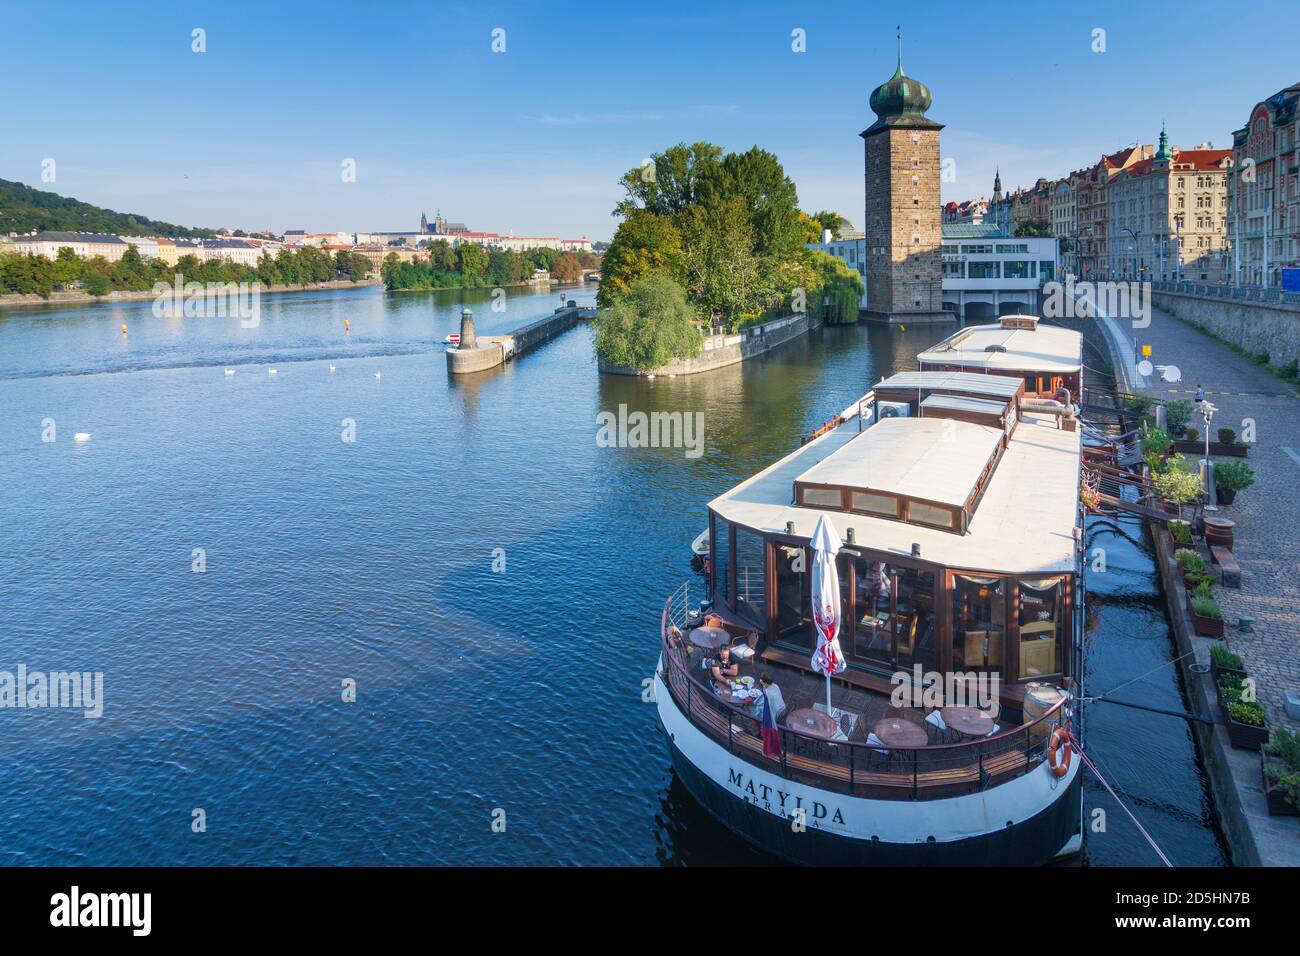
(253, 132)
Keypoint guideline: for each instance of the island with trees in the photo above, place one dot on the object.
(470, 266)
(712, 242)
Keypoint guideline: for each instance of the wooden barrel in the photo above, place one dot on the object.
(1218, 532)
(1041, 697)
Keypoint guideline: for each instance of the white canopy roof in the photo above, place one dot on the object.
(936, 459)
(995, 386)
(1024, 524)
(1047, 348)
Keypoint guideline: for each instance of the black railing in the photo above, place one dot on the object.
(855, 767)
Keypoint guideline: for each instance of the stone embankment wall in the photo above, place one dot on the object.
(1253, 326)
(14, 300)
(722, 350)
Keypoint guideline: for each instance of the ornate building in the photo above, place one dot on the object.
(1264, 190)
(902, 234)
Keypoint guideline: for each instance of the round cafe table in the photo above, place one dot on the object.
(809, 721)
(895, 732)
(970, 721)
(710, 638)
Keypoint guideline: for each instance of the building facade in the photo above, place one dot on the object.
(1264, 191)
(902, 238)
(1167, 216)
(87, 245)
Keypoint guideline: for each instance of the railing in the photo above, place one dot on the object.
(1270, 295)
(853, 767)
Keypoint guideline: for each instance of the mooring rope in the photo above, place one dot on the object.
(1111, 790)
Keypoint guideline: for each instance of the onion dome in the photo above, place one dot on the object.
(901, 100)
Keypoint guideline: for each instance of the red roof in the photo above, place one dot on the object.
(1201, 160)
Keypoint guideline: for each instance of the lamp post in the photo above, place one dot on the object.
(1137, 242)
(1207, 410)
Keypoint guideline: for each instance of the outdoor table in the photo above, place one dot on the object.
(896, 732)
(970, 721)
(813, 722)
(709, 637)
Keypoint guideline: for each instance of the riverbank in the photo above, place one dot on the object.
(720, 351)
(16, 300)
(1266, 549)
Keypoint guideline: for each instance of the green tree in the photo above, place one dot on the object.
(645, 243)
(472, 263)
(441, 255)
(721, 268)
(649, 326)
(671, 182)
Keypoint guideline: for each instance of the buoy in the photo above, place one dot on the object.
(230, 371)
(376, 375)
(124, 328)
(81, 436)
(270, 371)
(346, 326)
(902, 328)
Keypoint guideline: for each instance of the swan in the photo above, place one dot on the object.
(81, 436)
(270, 371)
(376, 375)
(230, 371)
(331, 368)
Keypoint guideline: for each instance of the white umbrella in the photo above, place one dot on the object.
(827, 659)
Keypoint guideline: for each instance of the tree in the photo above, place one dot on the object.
(769, 195)
(833, 221)
(721, 268)
(645, 244)
(441, 256)
(671, 182)
(1034, 227)
(648, 327)
(567, 268)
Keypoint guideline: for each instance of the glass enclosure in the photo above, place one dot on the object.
(1042, 627)
(978, 622)
(720, 540)
(751, 576)
(793, 595)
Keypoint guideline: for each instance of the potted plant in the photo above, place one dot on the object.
(1178, 415)
(1227, 436)
(1207, 616)
(1155, 444)
(1181, 532)
(1280, 763)
(1223, 661)
(1175, 485)
(1190, 563)
(1192, 434)
(1231, 477)
(1245, 721)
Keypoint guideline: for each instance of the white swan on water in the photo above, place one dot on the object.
(81, 436)
(270, 371)
(331, 368)
(376, 375)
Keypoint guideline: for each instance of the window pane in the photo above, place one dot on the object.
(929, 514)
(822, 498)
(978, 622)
(1042, 632)
(793, 583)
(873, 632)
(751, 577)
(913, 620)
(874, 503)
(720, 540)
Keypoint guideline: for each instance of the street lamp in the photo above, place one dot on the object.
(1207, 410)
(1137, 241)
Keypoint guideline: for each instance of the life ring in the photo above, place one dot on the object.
(1059, 736)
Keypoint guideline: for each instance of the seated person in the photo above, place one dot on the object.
(722, 670)
(774, 698)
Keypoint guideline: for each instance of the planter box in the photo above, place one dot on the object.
(1277, 805)
(1243, 736)
(1205, 626)
(1216, 672)
(1235, 450)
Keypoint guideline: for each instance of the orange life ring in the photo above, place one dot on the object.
(1059, 736)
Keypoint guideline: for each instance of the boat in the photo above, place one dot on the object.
(452, 338)
(949, 737)
(700, 546)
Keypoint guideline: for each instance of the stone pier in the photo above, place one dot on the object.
(478, 354)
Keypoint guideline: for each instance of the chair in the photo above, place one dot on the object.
(974, 648)
(1037, 657)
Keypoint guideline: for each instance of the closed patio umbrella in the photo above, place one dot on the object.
(827, 659)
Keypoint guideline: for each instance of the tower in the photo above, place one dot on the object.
(904, 263)
(424, 224)
(997, 185)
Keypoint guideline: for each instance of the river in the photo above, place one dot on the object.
(486, 576)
